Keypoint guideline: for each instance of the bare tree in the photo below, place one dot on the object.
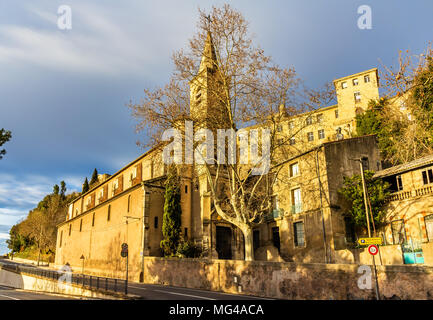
(223, 81)
(409, 92)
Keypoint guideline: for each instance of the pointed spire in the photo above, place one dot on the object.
(209, 58)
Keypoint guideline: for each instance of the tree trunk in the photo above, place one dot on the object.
(249, 247)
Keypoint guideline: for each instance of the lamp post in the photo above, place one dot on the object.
(364, 189)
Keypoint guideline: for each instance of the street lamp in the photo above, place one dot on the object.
(364, 188)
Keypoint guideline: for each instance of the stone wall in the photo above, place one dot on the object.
(388, 255)
(287, 280)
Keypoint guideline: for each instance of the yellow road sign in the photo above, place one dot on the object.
(368, 241)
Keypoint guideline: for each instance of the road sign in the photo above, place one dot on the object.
(373, 249)
(124, 252)
(368, 241)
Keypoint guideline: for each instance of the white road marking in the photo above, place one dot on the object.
(3, 295)
(183, 294)
(222, 293)
(137, 287)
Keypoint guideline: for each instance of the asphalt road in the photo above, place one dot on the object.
(7, 293)
(159, 292)
(145, 291)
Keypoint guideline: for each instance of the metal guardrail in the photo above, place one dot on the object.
(86, 281)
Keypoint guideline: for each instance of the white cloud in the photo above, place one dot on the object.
(18, 195)
(4, 236)
(94, 45)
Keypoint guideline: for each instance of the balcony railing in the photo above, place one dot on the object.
(402, 195)
(276, 213)
(296, 208)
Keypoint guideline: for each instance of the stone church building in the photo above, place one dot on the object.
(305, 225)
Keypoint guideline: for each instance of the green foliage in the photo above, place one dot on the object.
(374, 121)
(62, 188)
(5, 136)
(85, 186)
(56, 189)
(188, 249)
(94, 178)
(353, 192)
(39, 228)
(171, 224)
(421, 100)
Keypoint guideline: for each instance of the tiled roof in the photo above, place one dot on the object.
(420, 162)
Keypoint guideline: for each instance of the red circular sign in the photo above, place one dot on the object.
(373, 249)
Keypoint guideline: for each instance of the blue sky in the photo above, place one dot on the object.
(63, 92)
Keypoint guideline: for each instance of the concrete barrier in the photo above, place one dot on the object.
(39, 284)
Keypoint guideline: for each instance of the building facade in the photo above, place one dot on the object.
(306, 223)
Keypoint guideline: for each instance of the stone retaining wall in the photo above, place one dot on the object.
(285, 280)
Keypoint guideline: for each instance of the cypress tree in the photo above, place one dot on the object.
(56, 189)
(94, 178)
(171, 224)
(62, 188)
(85, 186)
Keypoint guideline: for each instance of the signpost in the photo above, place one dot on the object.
(373, 249)
(124, 254)
(82, 269)
(369, 241)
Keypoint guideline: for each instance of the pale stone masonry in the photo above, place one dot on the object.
(127, 207)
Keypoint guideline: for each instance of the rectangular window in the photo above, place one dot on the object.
(93, 220)
(319, 118)
(292, 141)
(344, 85)
(276, 237)
(428, 220)
(296, 201)
(355, 82)
(186, 189)
(61, 237)
(367, 79)
(186, 232)
(365, 163)
(399, 183)
(309, 120)
(357, 96)
(427, 176)
(291, 125)
(298, 230)
(321, 134)
(275, 202)
(336, 114)
(294, 169)
(81, 224)
(310, 136)
(350, 230)
(398, 233)
(70, 229)
(109, 213)
(155, 222)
